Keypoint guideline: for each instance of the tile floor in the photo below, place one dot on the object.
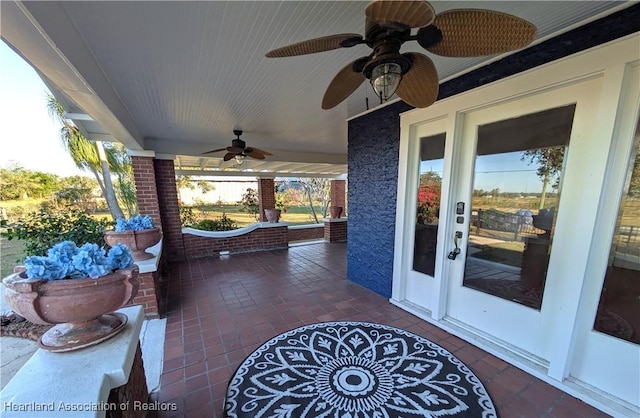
(220, 310)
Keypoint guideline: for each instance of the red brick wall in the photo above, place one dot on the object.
(259, 239)
(338, 193)
(165, 177)
(146, 192)
(302, 234)
(266, 196)
(149, 294)
(335, 231)
(135, 390)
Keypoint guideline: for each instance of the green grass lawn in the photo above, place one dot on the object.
(11, 254)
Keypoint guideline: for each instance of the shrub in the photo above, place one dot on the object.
(43, 229)
(223, 223)
(187, 217)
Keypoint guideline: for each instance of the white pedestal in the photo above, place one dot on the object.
(75, 383)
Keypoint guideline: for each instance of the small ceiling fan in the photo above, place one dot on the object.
(239, 150)
(413, 76)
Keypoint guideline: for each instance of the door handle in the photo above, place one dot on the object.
(453, 254)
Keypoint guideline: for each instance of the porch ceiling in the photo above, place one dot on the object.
(175, 78)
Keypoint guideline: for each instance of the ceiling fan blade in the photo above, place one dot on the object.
(419, 86)
(253, 153)
(472, 33)
(325, 43)
(413, 13)
(343, 84)
(234, 150)
(215, 150)
(261, 151)
(228, 156)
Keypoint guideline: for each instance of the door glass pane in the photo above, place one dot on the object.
(431, 166)
(516, 190)
(619, 309)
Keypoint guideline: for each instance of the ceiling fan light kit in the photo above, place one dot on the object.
(385, 79)
(412, 76)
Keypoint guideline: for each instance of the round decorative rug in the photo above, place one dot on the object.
(354, 370)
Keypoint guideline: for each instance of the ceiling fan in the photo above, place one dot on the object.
(413, 76)
(239, 150)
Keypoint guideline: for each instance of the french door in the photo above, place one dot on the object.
(485, 248)
(517, 222)
(506, 198)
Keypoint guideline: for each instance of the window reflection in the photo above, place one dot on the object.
(428, 207)
(516, 190)
(619, 309)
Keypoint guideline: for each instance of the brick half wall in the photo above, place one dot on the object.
(260, 239)
(304, 234)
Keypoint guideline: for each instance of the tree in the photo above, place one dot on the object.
(186, 182)
(77, 191)
(549, 162)
(250, 202)
(19, 183)
(89, 156)
(125, 186)
(317, 192)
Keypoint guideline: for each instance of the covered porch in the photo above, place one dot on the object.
(222, 308)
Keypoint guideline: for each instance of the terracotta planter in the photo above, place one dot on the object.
(81, 308)
(272, 215)
(137, 241)
(335, 211)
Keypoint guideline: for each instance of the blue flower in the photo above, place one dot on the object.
(119, 257)
(135, 223)
(66, 260)
(44, 268)
(91, 260)
(63, 252)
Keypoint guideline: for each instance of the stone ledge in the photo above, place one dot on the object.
(80, 379)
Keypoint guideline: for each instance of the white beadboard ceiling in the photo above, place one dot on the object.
(176, 78)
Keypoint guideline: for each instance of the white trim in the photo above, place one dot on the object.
(151, 265)
(141, 153)
(307, 226)
(234, 232)
(165, 156)
(334, 220)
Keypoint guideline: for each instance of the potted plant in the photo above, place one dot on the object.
(77, 288)
(272, 215)
(137, 233)
(335, 211)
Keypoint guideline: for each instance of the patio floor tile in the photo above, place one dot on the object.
(220, 309)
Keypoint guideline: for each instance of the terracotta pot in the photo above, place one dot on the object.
(272, 215)
(81, 308)
(335, 211)
(137, 241)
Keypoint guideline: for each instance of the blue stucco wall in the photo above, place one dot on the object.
(373, 176)
(374, 141)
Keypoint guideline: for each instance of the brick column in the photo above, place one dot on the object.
(335, 230)
(338, 193)
(266, 196)
(165, 175)
(146, 191)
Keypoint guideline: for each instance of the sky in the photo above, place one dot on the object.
(29, 136)
(498, 171)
